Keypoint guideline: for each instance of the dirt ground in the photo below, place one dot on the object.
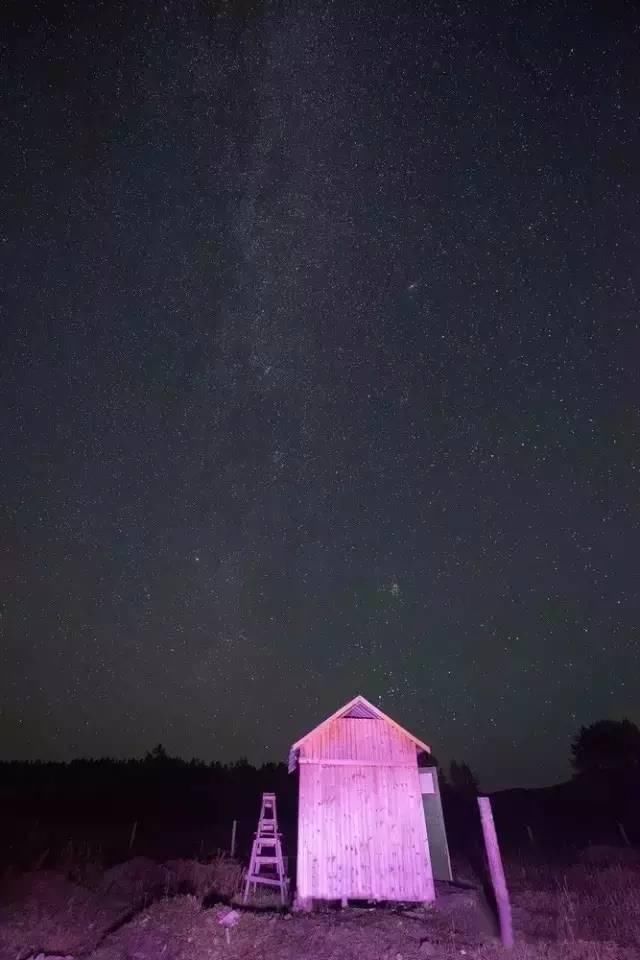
(141, 910)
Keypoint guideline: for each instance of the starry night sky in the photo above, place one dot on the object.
(319, 375)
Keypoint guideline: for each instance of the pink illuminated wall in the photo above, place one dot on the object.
(361, 827)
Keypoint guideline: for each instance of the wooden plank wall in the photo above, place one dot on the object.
(349, 739)
(361, 827)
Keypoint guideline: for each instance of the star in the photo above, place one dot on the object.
(371, 345)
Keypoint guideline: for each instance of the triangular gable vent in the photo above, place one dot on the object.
(360, 711)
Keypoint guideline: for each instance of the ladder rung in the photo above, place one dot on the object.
(268, 881)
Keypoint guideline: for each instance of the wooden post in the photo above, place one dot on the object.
(624, 835)
(232, 852)
(497, 872)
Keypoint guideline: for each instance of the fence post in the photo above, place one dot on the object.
(233, 838)
(497, 872)
(624, 835)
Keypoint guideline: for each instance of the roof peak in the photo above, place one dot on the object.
(358, 708)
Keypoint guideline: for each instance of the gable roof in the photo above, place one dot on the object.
(359, 709)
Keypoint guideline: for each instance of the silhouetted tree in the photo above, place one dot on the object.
(462, 780)
(608, 747)
(159, 757)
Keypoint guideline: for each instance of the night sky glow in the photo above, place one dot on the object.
(319, 375)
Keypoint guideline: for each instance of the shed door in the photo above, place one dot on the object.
(362, 834)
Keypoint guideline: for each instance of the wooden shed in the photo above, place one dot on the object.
(361, 823)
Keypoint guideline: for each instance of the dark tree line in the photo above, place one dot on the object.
(180, 805)
(608, 748)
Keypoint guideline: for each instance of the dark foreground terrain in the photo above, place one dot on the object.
(184, 910)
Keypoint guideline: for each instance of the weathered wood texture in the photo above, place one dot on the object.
(348, 739)
(497, 871)
(361, 826)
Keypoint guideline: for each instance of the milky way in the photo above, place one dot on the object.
(319, 376)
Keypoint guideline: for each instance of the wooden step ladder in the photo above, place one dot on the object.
(266, 852)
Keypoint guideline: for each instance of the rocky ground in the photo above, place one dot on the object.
(183, 910)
